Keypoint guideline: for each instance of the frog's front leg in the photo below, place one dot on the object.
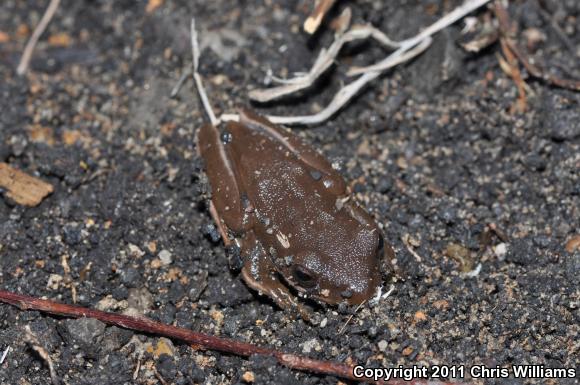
(226, 204)
(261, 275)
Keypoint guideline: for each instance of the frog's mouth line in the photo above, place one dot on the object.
(318, 295)
(308, 296)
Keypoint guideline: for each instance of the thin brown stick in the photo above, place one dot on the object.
(226, 345)
(559, 32)
(159, 376)
(535, 71)
(514, 72)
(38, 31)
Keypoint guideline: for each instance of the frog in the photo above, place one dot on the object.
(299, 231)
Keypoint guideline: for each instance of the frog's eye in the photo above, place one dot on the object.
(303, 276)
(380, 247)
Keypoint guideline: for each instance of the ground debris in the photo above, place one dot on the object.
(22, 188)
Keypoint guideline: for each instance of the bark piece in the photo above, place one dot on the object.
(22, 188)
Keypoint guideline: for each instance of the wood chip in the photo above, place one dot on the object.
(152, 5)
(420, 316)
(407, 351)
(60, 39)
(441, 304)
(22, 188)
(249, 377)
(573, 244)
(4, 37)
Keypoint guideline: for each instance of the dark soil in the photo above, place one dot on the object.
(434, 150)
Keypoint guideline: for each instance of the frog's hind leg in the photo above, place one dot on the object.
(260, 274)
(219, 224)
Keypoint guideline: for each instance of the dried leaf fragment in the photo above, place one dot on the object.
(461, 254)
(249, 377)
(61, 39)
(4, 37)
(22, 188)
(573, 244)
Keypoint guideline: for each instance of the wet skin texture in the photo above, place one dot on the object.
(291, 215)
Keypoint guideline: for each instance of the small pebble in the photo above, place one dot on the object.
(383, 345)
(165, 257)
(248, 377)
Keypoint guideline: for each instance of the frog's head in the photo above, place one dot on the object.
(342, 264)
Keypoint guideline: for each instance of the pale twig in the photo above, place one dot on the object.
(475, 272)
(407, 244)
(349, 91)
(388, 293)
(342, 22)
(198, 82)
(229, 118)
(406, 50)
(458, 13)
(38, 31)
(380, 296)
(313, 21)
(4, 355)
(159, 376)
(38, 348)
(138, 367)
(350, 318)
(322, 63)
(175, 90)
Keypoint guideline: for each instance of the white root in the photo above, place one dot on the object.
(455, 15)
(350, 90)
(38, 31)
(405, 51)
(198, 82)
(323, 62)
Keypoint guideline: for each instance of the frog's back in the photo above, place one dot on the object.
(299, 210)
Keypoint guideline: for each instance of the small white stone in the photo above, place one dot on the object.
(311, 344)
(383, 345)
(165, 257)
(110, 304)
(500, 250)
(283, 240)
(54, 281)
(135, 251)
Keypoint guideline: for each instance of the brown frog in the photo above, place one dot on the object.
(291, 215)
